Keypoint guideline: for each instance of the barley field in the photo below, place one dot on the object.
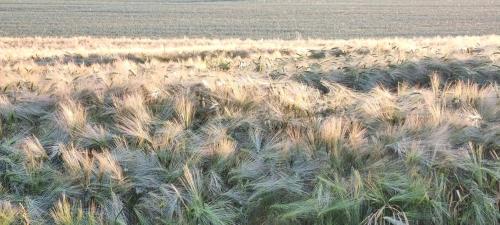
(284, 19)
(206, 131)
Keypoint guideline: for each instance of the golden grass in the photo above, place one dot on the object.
(199, 131)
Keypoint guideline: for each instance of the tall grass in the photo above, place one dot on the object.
(351, 138)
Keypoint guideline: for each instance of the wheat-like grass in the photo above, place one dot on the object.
(198, 131)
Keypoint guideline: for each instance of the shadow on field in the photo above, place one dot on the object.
(414, 73)
(74, 59)
(479, 70)
(141, 58)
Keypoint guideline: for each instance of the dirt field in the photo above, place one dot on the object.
(249, 19)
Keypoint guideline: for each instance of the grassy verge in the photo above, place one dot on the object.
(117, 131)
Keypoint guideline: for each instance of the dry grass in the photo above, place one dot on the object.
(117, 131)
